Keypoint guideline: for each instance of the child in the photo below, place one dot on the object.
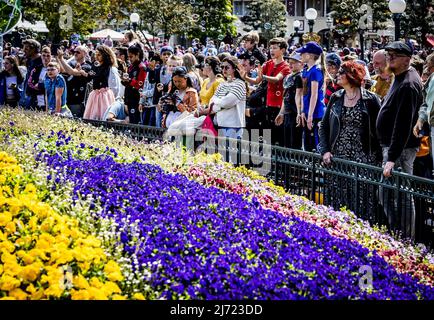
(55, 91)
(313, 92)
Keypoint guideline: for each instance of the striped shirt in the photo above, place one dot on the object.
(236, 87)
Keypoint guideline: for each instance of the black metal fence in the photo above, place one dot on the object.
(403, 203)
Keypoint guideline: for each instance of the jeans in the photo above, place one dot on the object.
(311, 137)
(158, 118)
(401, 215)
(148, 116)
(234, 133)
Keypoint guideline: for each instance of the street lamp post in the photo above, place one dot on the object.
(397, 7)
(296, 24)
(311, 14)
(134, 18)
(329, 23)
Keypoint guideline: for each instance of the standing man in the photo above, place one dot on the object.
(383, 76)
(76, 85)
(396, 119)
(31, 50)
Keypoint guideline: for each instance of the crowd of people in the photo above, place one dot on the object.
(377, 110)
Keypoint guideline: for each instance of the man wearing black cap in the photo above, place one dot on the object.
(31, 50)
(397, 117)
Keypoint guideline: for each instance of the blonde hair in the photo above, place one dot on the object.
(178, 60)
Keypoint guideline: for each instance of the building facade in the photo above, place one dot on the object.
(295, 10)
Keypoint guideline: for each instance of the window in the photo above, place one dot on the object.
(239, 8)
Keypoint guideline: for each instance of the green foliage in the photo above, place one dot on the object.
(347, 14)
(268, 17)
(61, 21)
(9, 14)
(418, 20)
(169, 16)
(211, 18)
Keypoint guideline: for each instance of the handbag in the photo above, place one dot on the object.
(208, 125)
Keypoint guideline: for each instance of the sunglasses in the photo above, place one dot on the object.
(51, 69)
(342, 71)
(76, 52)
(226, 67)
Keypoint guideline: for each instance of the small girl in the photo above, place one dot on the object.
(313, 92)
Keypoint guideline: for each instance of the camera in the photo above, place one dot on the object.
(168, 102)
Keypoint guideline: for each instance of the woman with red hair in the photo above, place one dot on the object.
(348, 131)
(348, 128)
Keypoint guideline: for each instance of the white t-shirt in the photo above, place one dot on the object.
(10, 80)
(41, 97)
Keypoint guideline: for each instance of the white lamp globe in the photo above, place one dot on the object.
(397, 6)
(134, 17)
(311, 14)
(296, 24)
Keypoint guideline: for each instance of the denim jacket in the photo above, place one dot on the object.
(330, 125)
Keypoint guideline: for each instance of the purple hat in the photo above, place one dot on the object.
(311, 47)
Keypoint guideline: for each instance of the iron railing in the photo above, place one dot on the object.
(403, 203)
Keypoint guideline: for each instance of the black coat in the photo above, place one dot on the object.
(330, 125)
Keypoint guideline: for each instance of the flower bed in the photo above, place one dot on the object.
(285, 253)
(44, 254)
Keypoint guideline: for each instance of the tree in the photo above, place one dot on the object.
(418, 20)
(268, 17)
(347, 14)
(170, 16)
(212, 18)
(9, 15)
(67, 17)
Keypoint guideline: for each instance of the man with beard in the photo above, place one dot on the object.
(383, 77)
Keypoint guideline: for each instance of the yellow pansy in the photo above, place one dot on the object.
(94, 282)
(8, 283)
(80, 295)
(5, 218)
(18, 294)
(110, 287)
(10, 227)
(118, 297)
(80, 282)
(54, 290)
(7, 246)
(31, 272)
(138, 296)
(97, 294)
(113, 271)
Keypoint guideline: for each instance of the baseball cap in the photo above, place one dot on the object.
(310, 47)
(334, 59)
(166, 48)
(399, 47)
(295, 56)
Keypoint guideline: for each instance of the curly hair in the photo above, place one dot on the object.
(108, 56)
(355, 72)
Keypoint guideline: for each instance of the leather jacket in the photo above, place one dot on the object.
(330, 125)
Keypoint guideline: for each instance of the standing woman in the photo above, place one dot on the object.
(105, 81)
(348, 128)
(229, 101)
(313, 92)
(348, 131)
(11, 82)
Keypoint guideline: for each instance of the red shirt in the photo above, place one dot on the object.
(275, 90)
